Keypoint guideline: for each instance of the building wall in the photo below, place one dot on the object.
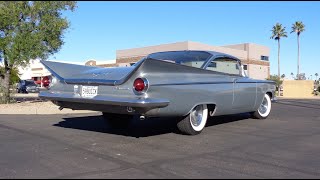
(34, 69)
(237, 46)
(129, 59)
(234, 52)
(255, 51)
(258, 71)
(298, 89)
(143, 51)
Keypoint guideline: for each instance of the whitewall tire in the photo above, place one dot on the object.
(195, 122)
(264, 109)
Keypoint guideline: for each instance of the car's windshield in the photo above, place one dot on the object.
(188, 58)
(30, 83)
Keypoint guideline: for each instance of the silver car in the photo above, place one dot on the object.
(189, 85)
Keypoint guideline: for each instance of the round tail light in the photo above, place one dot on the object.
(140, 85)
(53, 81)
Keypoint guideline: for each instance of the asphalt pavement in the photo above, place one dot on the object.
(286, 145)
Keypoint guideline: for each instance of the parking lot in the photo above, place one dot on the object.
(286, 145)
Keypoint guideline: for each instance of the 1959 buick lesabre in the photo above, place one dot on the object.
(190, 85)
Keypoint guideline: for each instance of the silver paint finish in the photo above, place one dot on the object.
(174, 90)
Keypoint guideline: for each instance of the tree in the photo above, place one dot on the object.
(30, 30)
(277, 80)
(277, 33)
(283, 76)
(316, 74)
(298, 27)
(14, 75)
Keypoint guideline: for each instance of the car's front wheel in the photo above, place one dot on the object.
(117, 120)
(264, 109)
(195, 122)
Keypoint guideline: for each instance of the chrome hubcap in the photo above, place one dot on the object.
(196, 115)
(264, 106)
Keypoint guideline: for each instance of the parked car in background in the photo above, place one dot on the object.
(27, 86)
(188, 85)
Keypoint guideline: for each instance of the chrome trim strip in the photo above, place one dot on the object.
(132, 102)
(91, 81)
(192, 83)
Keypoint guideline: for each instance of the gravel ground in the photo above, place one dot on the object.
(31, 107)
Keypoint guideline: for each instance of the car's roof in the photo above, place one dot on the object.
(213, 53)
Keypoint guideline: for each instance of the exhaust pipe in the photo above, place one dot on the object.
(142, 118)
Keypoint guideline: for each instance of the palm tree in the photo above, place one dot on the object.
(283, 76)
(277, 33)
(298, 27)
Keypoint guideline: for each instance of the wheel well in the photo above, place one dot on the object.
(270, 94)
(211, 108)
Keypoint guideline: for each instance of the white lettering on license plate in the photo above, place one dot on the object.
(89, 91)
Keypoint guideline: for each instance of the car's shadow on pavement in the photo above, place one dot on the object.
(138, 128)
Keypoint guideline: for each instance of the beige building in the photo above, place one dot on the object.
(254, 57)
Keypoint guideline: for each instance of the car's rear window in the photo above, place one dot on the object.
(188, 58)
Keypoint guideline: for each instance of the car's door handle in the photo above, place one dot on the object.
(235, 80)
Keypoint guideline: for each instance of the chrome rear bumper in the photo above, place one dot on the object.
(106, 100)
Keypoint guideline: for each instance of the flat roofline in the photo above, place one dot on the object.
(179, 42)
(243, 44)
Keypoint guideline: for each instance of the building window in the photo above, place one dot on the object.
(245, 67)
(265, 58)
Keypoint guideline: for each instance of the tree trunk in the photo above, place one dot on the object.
(298, 72)
(6, 86)
(6, 81)
(279, 65)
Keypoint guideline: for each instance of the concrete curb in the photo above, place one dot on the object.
(306, 98)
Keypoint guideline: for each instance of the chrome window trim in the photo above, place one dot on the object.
(213, 58)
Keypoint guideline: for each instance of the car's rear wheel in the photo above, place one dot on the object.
(117, 120)
(195, 122)
(264, 109)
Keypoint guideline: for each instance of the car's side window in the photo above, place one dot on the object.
(224, 65)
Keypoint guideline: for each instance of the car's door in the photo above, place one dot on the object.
(244, 94)
(244, 89)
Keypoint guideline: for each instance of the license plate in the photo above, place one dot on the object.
(89, 91)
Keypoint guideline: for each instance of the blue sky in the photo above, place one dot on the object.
(100, 28)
